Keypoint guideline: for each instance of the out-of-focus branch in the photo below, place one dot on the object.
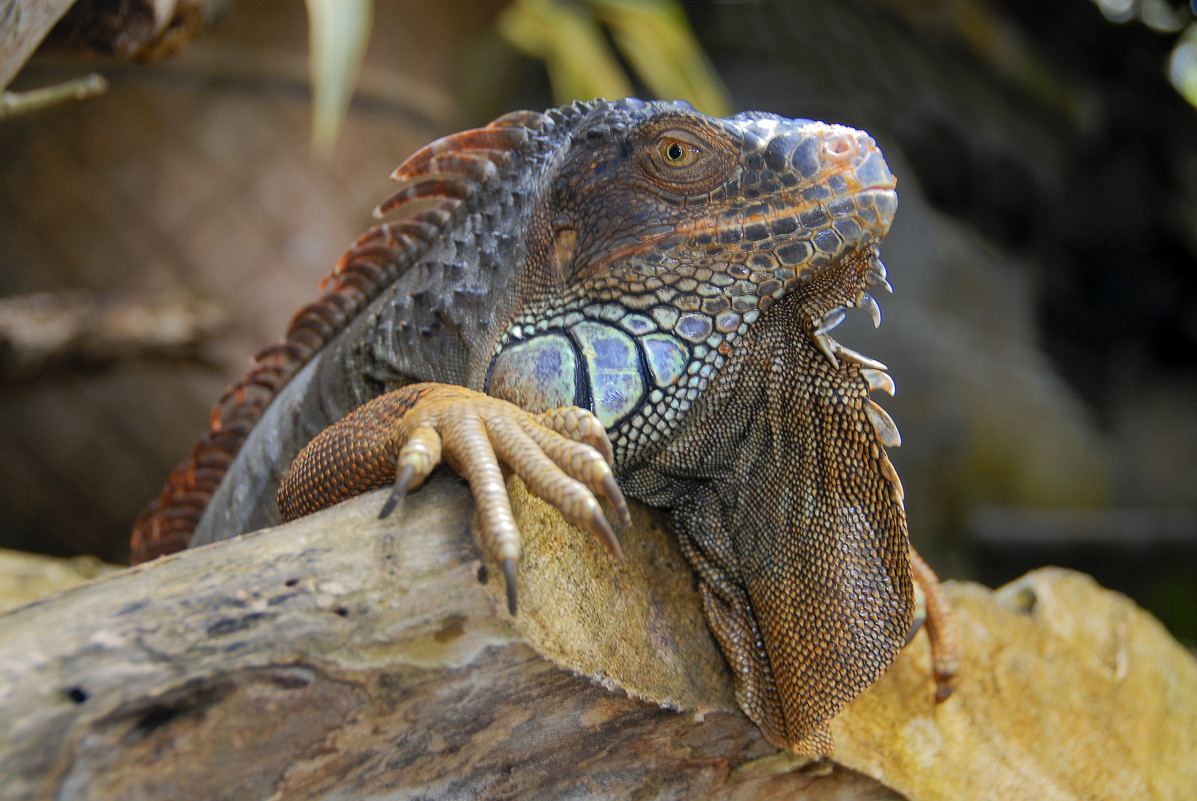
(13, 103)
(45, 333)
(146, 30)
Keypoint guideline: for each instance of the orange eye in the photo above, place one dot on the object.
(677, 153)
(683, 153)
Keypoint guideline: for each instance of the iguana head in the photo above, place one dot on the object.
(669, 233)
(647, 184)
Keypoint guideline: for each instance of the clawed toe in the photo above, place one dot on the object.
(563, 456)
(509, 578)
(399, 438)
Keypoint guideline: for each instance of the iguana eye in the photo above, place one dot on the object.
(679, 154)
(683, 153)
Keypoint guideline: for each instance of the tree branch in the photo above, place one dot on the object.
(43, 333)
(345, 656)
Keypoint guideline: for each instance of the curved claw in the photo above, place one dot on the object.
(399, 438)
(601, 528)
(867, 303)
(614, 496)
(580, 426)
(876, 276)
(509, 578)
(398, 492)
(827, 346)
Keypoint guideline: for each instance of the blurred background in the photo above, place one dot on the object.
(1042, 334)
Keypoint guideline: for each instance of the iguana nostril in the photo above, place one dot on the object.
(837, 146)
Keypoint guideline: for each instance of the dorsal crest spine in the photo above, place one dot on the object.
(446, 173)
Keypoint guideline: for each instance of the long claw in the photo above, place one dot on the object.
(615, 497)
(827, 347)
(398, 492)
(600, 527)
(509, 577)
(876, 277)
(580, 426)
(859, 358)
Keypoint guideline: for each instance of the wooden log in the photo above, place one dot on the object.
(346, 657)
(342, 656)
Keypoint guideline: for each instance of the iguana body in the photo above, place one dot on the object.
(674, 275)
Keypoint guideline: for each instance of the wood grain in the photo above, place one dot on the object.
(342, 656)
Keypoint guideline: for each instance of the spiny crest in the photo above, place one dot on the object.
(603, 116)
(445, 173)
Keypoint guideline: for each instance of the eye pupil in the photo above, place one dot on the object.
(674, 152)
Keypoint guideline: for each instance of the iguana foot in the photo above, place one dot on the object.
(563, 455)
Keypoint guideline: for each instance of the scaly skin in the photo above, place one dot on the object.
(674, 275)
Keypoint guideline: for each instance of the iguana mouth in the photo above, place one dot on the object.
(713, 234)
(872, 209)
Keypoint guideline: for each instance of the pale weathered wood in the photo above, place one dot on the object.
(342, 656)
(23, 25)
(48, 333)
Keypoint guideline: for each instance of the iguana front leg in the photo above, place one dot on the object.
(563, 455)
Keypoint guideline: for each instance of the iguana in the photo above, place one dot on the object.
(614, 290)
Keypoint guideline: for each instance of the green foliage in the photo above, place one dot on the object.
(652, 36)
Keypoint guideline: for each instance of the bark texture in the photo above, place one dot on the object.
(342, 656)
(345, 657)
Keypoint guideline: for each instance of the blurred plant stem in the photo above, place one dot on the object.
(338, 31)
(653, 36)
(570, 43)
(571, 38)
(656, 40)
(14, 103)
